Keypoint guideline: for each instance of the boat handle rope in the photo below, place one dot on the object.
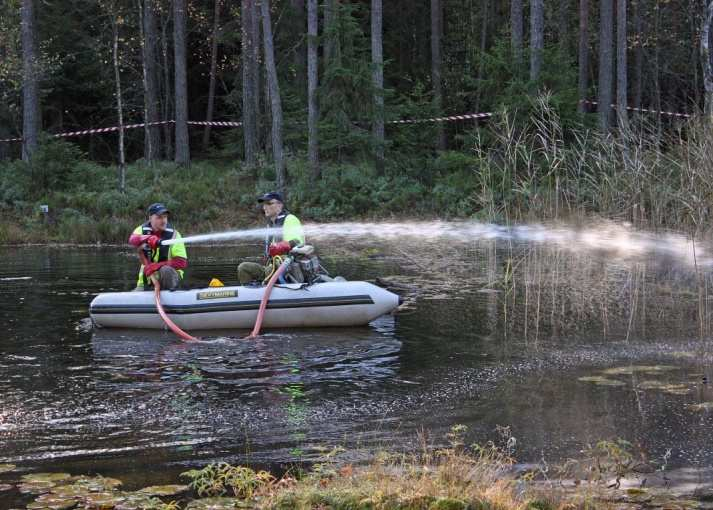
(157, 295)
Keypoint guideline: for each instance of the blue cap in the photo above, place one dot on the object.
(158, 208)
(271, 195)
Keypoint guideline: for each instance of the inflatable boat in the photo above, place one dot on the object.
(338, 303)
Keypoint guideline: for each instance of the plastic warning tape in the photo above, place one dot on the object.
(465, 116)
(645, 110)
(133, 126)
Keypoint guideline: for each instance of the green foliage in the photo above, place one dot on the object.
(218, 479)
(346, 93)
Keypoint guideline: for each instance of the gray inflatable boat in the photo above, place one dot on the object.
(338, 303)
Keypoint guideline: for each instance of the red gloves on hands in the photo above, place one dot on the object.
(152, 241)
(153, 267)
(279, 248)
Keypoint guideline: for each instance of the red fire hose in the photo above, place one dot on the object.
(157, 295)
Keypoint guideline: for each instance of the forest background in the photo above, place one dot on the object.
(321, 98)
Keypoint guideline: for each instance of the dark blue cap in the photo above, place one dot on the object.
(158, 208)
(271, 195)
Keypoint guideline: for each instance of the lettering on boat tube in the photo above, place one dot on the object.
(216, 294)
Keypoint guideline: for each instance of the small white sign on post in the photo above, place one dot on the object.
(44, 208)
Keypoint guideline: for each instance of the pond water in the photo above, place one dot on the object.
(565, 347)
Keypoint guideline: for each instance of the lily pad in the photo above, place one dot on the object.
(96, 483)
(52, 502)
(103, 500)
(655, 369)
(46, 477)
(676, 389)
(703, 406)
(6, 487)
(164, 490)
(6, 468)
(35, 487)
(219, 503)
(136, 501)
(601, 381)
(618, 371)
(69, 491)
(651, 385)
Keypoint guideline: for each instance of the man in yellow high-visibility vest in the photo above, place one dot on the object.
(288, 234)
(167, 261)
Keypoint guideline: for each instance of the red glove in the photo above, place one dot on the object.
(279, 248)
(152, 241)
(153, 267)
(137, 240)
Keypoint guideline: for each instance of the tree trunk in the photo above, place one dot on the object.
(638, 54)
(621, 79)
(485, 20)
(377, 66)
(537, 37)
(213, 70)
(183, 155)
(606, 35)
(249, 86)
(31, 120)
(152, 138)
(563, 25)
(119, 106)
(300, 52)
(706, 60)
(436, 35)
(583, 84)
(331, 31)
(312, 108)
(255, 68)
(167, 95)
(516, 31)
(275, 102)
(657, 70)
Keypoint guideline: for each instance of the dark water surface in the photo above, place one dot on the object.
(493, 336)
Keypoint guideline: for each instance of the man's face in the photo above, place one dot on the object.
(158, 222)
(272, 208)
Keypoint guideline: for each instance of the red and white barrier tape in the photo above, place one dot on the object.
(133, 126)
(238, 124)
(442, 119)
(214, 123)
(645, 110)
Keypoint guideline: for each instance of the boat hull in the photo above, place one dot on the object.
(290, 306)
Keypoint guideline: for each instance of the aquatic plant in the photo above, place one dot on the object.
(218, 479)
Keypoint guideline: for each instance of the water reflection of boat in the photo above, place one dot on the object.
(319, 305)
(352, 355)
